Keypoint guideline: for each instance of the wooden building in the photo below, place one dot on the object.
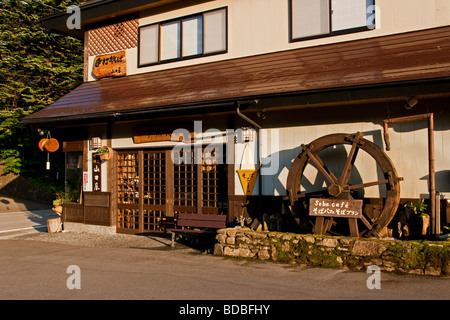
(249, 85)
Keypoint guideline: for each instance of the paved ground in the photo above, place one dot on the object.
(124, 267)
(35, 264)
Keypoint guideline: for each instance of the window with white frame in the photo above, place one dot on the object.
(188, 37)
(319, 18)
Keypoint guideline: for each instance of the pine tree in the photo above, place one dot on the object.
(37, 67)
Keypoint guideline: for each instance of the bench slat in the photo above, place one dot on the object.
(205, 217)
(201, 224)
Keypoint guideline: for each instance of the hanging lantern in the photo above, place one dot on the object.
(41, 144)
(51, 145)
(48, 144)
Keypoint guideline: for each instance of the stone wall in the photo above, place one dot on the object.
(412, 257)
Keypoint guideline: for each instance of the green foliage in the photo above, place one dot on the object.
(419, 208)
(37, 67)
(61, 198)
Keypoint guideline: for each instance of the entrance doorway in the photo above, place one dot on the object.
(152, 190)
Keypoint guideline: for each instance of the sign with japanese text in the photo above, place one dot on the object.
(85, 180)
(159, 133)
(96, 174)
(335, 208)
(248, 179)
(110, 65)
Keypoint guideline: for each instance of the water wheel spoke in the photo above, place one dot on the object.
(321, 166)
(368, 184)
(311, 194)
(345, 176)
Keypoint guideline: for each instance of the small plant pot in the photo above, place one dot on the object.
(425, 223)
(58, 209)
(106, 155)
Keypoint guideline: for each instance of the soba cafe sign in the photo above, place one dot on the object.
(110, 65)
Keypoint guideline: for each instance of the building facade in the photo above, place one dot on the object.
(204, 107)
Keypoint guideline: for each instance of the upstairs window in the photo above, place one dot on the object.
(320, 18)
(188, 37)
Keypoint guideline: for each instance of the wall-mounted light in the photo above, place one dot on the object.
(247, 134)
(262, 115)
(96, 143)
(411, 103)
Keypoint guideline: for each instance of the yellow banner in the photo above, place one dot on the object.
(248, 179)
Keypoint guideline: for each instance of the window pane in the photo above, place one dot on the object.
(310, 18)
(170, 40)
(348, 14)
(149, 44)
(215, 36)
(192, 36)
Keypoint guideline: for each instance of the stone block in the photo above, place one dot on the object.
(368, 248)
(221, 238)
(329, 243)
(218, 249)
(231, 240)
(433, 271)
(263, 254)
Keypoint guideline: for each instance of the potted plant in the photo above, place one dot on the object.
(61, 198)
(420, 213)
(104, 153)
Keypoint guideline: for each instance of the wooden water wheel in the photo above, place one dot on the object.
(336, 184)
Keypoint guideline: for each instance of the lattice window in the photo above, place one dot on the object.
(152, 190)
(128, 219)
(113, 35)
(128, 171)
(154, 178)
(185, 180)
(152, 220)
(214, 178)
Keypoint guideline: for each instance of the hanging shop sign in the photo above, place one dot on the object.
(96, 174)
(248, 179)
(159, 133)
(110, 65)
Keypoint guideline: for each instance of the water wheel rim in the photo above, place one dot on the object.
(392, 201)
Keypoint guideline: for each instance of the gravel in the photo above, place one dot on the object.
(86, 239)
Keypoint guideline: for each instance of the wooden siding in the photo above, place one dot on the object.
(95, 210)
(403, 57)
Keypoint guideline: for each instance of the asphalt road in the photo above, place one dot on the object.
(39, 270)
(24, 221)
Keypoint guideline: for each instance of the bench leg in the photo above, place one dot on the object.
(173, 240)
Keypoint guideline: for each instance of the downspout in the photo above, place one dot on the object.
(431, 158)
(257, 127)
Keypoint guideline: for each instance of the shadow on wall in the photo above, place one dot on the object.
(442, 180)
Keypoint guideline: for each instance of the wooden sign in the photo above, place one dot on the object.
(110, 65)
(96, 174)
(156, 134)
(335, 208)
(248, 179)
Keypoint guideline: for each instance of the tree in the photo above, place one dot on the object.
(37, 67)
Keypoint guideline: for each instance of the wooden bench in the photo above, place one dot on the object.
(203, 223)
